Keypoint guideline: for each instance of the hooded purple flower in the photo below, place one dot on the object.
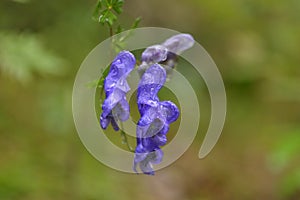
(155, 119)
(115, 106)
(166, 53)
(179, 43)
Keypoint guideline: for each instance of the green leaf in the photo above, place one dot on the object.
(107, 17)
(99, 5)
(101, 82)
(117, 3)
(111, 18)
(104, 75)
(117, 6)
(133, 26)
(136, 23)
(97, 9)
(108, 3)
(24, 55)
(119, 29)
(103, 16)
(118, 10)
(93, 84)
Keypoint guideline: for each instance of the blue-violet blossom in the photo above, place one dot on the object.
(166, 53)
(155, 118)
(115, 106)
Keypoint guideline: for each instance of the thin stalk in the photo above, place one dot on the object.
(125, 139)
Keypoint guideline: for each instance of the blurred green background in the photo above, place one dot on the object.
(256, 47)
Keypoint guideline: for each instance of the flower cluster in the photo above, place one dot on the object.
(115, 106)
(156, 115)
(155, 119)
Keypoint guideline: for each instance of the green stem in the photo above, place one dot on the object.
(125, 139)
(111, 32)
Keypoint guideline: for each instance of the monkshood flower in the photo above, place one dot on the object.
(155, 118)
(115, 106)
(179, 43)
(153, 54)
(176, 45)
(167, 52)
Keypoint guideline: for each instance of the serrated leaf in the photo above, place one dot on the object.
(24, 55)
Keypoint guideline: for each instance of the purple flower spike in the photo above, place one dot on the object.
(115, 106)
(155, 119)
(179, 43)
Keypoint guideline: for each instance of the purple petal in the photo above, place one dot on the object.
(121, 110)
(147, 95)
(171, 110)
(155, 118)
(155, 127)
(149, 115)
(124, 62)
(158, 156)
(160, 139)
(154, 142)
(138, 158)
(115, 106)
(150, 83)
(154, 54)
(104, 121)
(154, 157)
(140, 154)
(179, 43)
(171, 61)
(121, 66)
(150, 129)
(145, 161)
(146, 166)
(165, 129)
(155, 74)
(114, 124)
(122, 84)
(111, 101)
